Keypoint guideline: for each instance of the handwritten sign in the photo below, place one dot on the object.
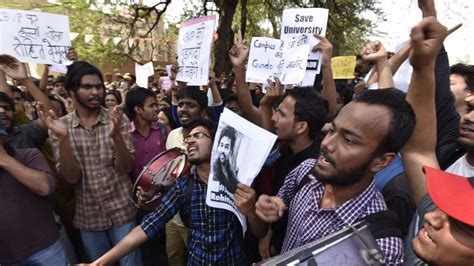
(306, 21)
(194, 50)
(34, 36)
(142, 72)
(271, 58)
(343, 67)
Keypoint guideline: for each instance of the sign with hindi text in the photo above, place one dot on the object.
(306, 21)
(34, 37)
(270, 58)
(194, 50)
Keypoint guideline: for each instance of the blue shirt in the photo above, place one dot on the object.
(216, 234)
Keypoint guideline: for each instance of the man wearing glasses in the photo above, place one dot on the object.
(94, 151)
(215, 234)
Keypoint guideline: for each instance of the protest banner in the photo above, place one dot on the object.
(271, 58)
(306, 21)
(142, 72)
(194, 50)
(343, 67)
(34, 37)
(238, 153)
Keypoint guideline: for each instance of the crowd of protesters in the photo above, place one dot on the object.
(347, 150)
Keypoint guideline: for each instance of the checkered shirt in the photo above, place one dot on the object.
(102, 193)
(216, 234)
(307, 222)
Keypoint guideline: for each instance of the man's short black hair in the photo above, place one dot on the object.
(7, 99)
(402, 118)
(17, 90)
(60, 79)
(206, 123)
(76, 71)
(193, 92)
(467, 72)
(310, 107)
(136, 97)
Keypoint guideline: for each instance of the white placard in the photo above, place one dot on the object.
(306, 21)
(142, 72)
(238, 153)
(194, 50)
(271, 58)
(58, 68)
(34, 37)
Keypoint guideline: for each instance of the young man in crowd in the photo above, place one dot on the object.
(363, 139)
(149, 140)
(462, 83)
(442, 233)
(94, 151)
(192, 104)
(215, 234)
(28, 233)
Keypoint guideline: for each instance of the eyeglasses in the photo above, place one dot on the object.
(196, 135)
(90, 86)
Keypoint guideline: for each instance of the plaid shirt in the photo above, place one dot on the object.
(216, 234)
(307, 222)
(102, 193)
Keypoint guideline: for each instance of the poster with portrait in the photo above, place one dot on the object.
(238, 153)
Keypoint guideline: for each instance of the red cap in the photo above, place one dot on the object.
(453, 194)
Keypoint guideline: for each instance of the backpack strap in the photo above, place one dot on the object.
(383, 224)
(305, 180)
(187, 201)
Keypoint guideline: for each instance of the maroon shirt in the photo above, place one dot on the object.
(146, 147)
(26, 219)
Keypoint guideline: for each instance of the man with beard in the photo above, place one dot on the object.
(327, 194)
(192, 104)
(215, 234)
(94, 151)
(224, 172)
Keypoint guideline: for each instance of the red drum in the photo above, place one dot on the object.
(160, 174)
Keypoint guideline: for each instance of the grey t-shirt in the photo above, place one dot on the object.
(29, 135)
(426, 205)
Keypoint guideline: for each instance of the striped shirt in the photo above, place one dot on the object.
(102, 193)
(307, 222)
(216, 235)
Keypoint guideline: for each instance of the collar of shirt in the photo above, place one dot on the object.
(102, 118)
(153, 126)
(350, 210)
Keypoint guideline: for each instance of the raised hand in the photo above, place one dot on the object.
(270, 209)
(239, 52)
(274, 92)
(71, 54)
(426, 39)
(116, 120)
(12, 67)
(245, 198)
(52, 121)
(374, 52)
(326, 48)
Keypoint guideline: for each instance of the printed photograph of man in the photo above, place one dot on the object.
(224, 165)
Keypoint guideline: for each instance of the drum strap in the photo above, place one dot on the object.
(381, 224)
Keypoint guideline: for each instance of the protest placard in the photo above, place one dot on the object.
(271, 58)
(142, 72)
(34, 37)
(238, 153)
(194, 50)
(343, 67)
(306, 21)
